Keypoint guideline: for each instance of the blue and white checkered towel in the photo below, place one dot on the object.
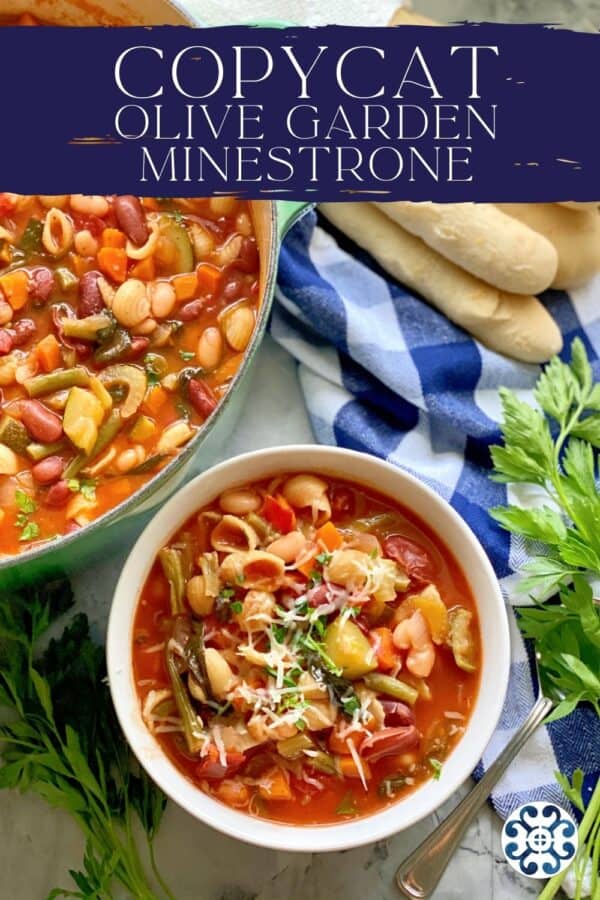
(384, 372)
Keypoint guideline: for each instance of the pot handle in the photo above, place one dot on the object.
(288, 213)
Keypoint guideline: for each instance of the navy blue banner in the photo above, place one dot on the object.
(468, 112)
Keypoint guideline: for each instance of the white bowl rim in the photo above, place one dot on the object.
(268, 833)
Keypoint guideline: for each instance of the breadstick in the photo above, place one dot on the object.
(404, 16)
(579, 204)
(483, 240)
(516, 325)
(575, 235)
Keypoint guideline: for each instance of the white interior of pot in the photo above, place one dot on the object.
(103, 12)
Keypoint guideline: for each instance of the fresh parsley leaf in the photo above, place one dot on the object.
(61, 740)
(30, 531)
(236, 607)
(25, 503)
(554, 447)
(324, 558)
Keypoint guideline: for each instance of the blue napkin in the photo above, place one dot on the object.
(384, 372)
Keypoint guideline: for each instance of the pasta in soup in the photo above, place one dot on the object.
(306, 650)
(123, 321)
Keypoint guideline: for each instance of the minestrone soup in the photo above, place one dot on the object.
(122, 322)
(306, 650)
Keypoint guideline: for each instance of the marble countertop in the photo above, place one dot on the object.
(38, 845)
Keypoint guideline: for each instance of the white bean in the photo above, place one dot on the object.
(89, 205)
(219, 672)
(289, 546)
(85, 243)
(130, 458)
(162, 298)
(210, 348)
(239, 501)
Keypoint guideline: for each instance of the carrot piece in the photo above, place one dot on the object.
(279, 513)
(228, 369)
(145, 270)
(339, 745)
(233, 793)
(112, 261)
(273, 785)
(48, 353)
(16, 288)
(209, 278)
(349, 769)
(27, 19)
(155, 399)
(330, 536)
(185, 286)
(383, 645)
(307, 567)
(113, 237)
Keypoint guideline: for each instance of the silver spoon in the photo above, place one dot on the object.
(419, 874)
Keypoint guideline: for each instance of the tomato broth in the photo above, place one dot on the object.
(389, 717)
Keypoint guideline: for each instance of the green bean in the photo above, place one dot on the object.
(57, 381)
(172, 563)
(291, 748)
(87, 329)
(323, 762)
(106, 433)
(195, 734)
(393, 687)
(37, 452)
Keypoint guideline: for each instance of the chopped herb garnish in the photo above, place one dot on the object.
(186, 355)
(279, 633)
(227, 592)
(30, 531)
(350, 704)
(236, 607)
(240, 578)
(300, 724)
(347, 806)
(323, 558)
(315, 577)
(24, 502)
(436, 767)
(86, 487)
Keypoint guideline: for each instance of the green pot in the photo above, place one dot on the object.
(56, 557)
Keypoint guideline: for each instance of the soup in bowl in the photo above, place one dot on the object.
(295, 642)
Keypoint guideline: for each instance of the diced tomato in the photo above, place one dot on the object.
(279, 513)
(273, 785)
(233, 793)
(94, 224)
(413, 558)
(383, 645)
(6, 204)
(212, 767)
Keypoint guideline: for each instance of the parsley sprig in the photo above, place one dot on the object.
(63, 742)
(26, 505)
(554, 447)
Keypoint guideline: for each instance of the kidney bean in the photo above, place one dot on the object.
(42, 425)
(6, 341)
(191, 310)
(319, 595)
(413, 558)
(247, 261)
(90, 298)
(89, 222)
(41, 283)
(131, 219)
(58, 494)
(201, 397)
(389, 741)
(23, 330)
(234, 286)
(48, 470)
(139, 345)
(397, 713)
(342, 501)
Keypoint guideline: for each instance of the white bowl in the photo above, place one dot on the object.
(453, 531)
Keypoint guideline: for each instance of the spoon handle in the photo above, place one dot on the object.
(418, 875)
